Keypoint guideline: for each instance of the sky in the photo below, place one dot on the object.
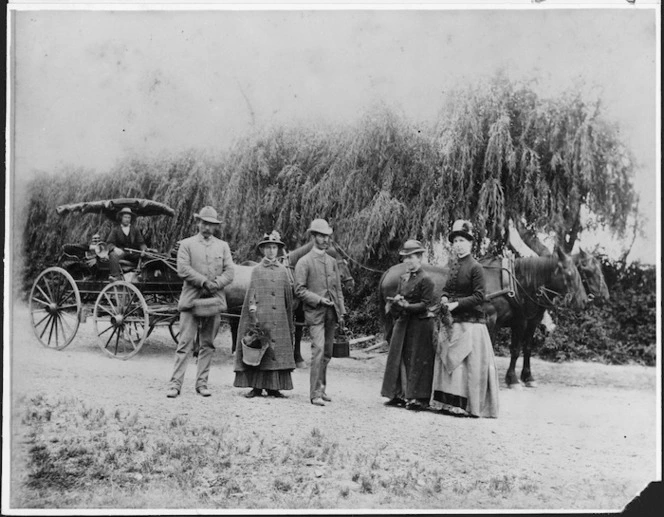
(91, 88)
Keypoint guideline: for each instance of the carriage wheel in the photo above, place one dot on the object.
(121, 320)
(55, 305)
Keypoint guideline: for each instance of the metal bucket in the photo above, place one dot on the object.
(341, 347)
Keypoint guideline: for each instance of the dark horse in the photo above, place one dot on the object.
(236, 291)
(542, 283)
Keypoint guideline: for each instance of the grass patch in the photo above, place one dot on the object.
(90, 457)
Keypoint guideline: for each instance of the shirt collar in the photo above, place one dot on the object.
(270, 262)
(318, 252)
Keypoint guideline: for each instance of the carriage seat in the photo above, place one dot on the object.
(125, 265)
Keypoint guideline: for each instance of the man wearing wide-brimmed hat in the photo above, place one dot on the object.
(206, 265)
(318, 285)
(123, 237)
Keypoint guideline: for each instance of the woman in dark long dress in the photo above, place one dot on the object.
(269, 301)
(465, 379)
(409, 369)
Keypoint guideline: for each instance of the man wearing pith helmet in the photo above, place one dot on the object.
(318, 285)
(206, 265)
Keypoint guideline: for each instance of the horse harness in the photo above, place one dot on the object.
(511, 287)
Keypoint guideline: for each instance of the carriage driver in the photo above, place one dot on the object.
(206, 266)
(126, 235)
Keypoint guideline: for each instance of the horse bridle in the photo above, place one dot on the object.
(542, 292)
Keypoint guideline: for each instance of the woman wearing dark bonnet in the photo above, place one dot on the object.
(409, 368)
(465, 380)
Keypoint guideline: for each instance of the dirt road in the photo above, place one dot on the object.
(584, 439)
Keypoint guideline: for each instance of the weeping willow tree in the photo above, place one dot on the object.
(498, 151)
(516, 155)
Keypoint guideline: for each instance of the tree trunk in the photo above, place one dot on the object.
(530, 238)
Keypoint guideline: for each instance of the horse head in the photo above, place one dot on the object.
(566, 279)
(591, 274)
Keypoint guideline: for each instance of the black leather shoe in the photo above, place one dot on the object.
(395, 402)
(254, 393)
(276, 394)
(415, 406)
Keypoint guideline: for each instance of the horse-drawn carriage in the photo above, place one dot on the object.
(124, 312)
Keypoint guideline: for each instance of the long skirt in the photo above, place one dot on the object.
(409, 367)
(465, 380)
(264, 379)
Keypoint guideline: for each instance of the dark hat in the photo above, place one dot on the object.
(462, 228)
(208, 214)
(411, 246)
(320, 226)
(273, 238)
(125, 210)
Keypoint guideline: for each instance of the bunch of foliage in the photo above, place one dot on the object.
(619, 331)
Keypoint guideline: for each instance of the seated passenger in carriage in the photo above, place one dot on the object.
(123, 237)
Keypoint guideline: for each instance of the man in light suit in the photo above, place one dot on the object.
(318, 285)
(206, 266)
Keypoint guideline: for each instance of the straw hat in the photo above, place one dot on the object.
(320, 226)
(208, 214)
(125, 210)
(273, 238)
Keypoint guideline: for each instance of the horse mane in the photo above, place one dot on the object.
(534, 271)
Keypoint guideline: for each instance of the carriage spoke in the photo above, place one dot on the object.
(38, 300)
(111, 336)
(105, 330)
(57, 290)
(63, 322)
(130, 338)
(117, 341)
(45, 326)
(70, 293)
(63, 307)
(133, 310)
(41, 320)
(110, 303)
(101, 307)
(50, 332)
(50, 293)
(56, 321)
(43, 293)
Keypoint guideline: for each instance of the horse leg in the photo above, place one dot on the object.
(299, 325)
(515, 347)
(234, 324)
(526, 374)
